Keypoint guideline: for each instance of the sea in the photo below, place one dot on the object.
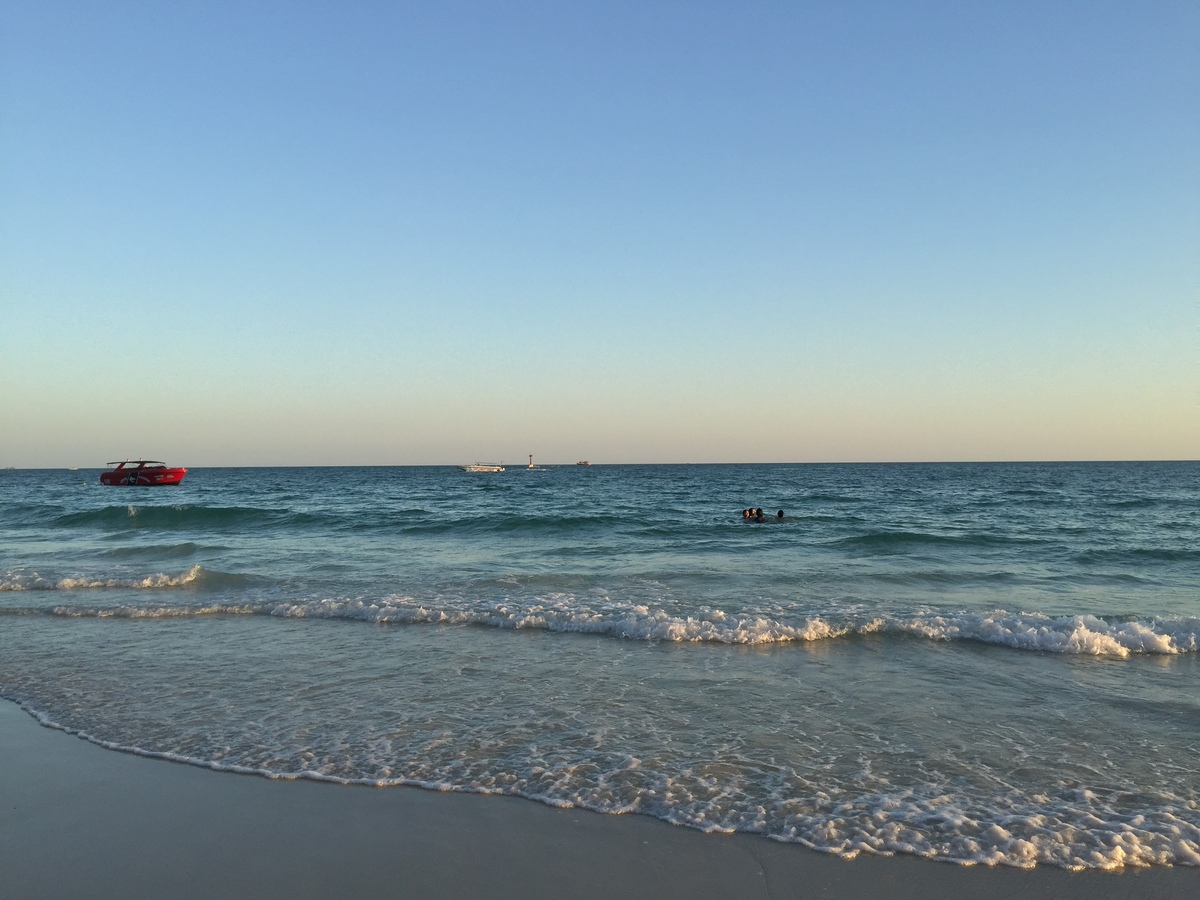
(974, 663)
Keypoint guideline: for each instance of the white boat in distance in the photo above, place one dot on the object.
(482, 467)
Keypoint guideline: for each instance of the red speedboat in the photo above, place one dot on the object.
(141, 472)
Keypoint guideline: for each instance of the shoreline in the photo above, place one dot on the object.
(79, 820)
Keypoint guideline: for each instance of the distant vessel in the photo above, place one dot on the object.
(482, 467)
(583, 462)
(142, 473)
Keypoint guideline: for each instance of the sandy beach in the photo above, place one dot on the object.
(79, 820)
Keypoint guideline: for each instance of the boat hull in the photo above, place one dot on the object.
(143, 477)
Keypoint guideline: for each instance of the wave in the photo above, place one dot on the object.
(182, 516)
(156, 612)
(1137, 555)
(942, 578)
(1080, 634)
(949, 578)
(1033, 492)
(407, 521)
(503, 524)
(1085, 635)
(1136, 503)
(197, 577)
(826, 497)
(155, 551)
(1077, 635)
(898, 541)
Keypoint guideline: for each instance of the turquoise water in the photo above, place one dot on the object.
(978, 663)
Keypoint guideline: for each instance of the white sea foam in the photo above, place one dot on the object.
(32, 581)
(158, 581)
(1085, 635)
(1073, 830)
(1080, 635)
(1063, 833)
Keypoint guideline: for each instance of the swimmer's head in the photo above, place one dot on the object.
(779, 515)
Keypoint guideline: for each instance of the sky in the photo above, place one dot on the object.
(393, 233)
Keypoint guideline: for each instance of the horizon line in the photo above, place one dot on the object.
(592, 465)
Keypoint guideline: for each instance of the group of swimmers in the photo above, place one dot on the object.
(756, 515)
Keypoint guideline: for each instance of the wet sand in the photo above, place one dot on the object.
(77, 820)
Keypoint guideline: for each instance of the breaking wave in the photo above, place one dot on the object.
(197, 577)
(1086, 635)
(1080, 635)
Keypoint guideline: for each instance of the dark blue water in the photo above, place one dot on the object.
(984, 663)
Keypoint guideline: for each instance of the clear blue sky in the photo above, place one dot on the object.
(352, 233)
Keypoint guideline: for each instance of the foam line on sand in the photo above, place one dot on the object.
(78, 820)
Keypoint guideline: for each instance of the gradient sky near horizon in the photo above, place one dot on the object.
(400, 233)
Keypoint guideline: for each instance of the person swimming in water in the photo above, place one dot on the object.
(779, 515)
(758, 515)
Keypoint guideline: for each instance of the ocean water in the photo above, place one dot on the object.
(992, 664)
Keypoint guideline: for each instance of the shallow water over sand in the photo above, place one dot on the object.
(987, 663)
